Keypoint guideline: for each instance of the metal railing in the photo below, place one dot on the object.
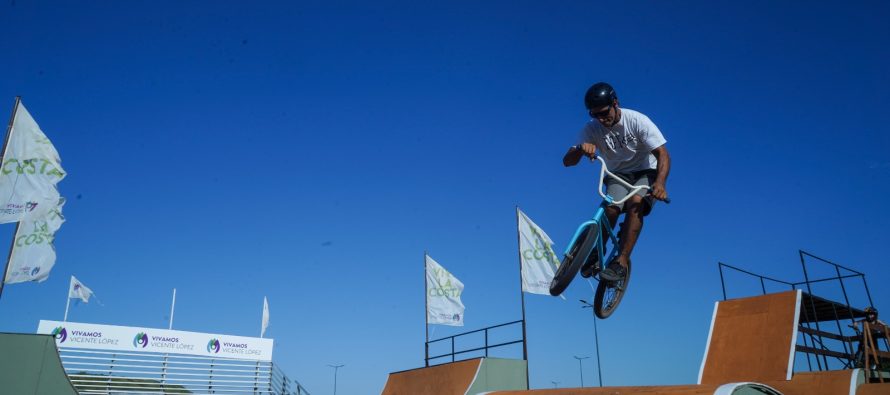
(110, 372)
(486, 346)
(819, 344)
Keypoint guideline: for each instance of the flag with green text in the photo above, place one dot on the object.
(537, 256)
(30, 170)
(443, 290)
(33, 253)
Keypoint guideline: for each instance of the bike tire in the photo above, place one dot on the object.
(572, 262)
(609, 295)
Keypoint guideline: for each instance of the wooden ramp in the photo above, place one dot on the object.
(472, 376)
(841, 382)
(752, 339)
(874, 389)
(650, 390)
(750, 350)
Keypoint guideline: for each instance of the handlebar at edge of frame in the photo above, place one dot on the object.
(634, 189)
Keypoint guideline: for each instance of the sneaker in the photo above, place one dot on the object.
(615, 272)
(591, 265)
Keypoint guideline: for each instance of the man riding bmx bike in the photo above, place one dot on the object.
(634, 149)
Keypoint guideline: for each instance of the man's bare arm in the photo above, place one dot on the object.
(573, 156)
(663, 168)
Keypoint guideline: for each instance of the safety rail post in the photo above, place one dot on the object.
(256, 377)
(164, 372)
(486, 342)
(806, 277)
(272, 377)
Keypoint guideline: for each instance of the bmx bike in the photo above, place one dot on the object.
(588, 245)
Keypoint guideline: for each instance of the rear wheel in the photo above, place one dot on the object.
(609, 294)
(572, 262)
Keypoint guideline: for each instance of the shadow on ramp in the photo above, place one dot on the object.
(30, 364)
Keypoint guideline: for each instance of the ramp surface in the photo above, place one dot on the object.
(725, 389)
(459, 378)
(874, 389)
(651, 390)
(447, 379)
(839, 382)
(30, 364)
(752, 339)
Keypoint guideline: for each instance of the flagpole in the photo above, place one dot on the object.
(15, 107)
(426, 317)
(522, 297)
(67, 304)
(172, 307)
(68, 300)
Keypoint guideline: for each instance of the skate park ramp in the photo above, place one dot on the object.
(752, 339)
(826, 382)
(30, 364)
(726, 389)
(874, 389)
(750, 351)
(840, 382)
(472, 376)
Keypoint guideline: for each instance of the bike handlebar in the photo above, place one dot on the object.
(634, 188)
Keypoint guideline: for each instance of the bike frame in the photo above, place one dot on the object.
(599, 218)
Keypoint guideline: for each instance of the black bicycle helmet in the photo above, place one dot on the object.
(870, 310)
(599, 95)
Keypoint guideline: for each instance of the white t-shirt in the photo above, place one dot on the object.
(627, 146)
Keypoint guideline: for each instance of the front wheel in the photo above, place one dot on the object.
(609, 294)
(572, 262)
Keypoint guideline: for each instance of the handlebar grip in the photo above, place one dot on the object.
(667, 200)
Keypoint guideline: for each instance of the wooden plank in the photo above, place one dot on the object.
(752, 339)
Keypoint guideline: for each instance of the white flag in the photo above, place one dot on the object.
(33, 254)
(443, 305)
(537, 256)
(79, 291)
(29, 173)
(265, 316)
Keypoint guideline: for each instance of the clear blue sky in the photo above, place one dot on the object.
(311, 152)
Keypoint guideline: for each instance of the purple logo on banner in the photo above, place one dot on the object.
(60, 333)
(141, 339)
(213, 346)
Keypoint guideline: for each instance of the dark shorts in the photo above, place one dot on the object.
(618, 191)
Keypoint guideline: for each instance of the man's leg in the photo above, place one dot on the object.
(633, 225)
(627, 238)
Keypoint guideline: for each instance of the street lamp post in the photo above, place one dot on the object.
(580, 369)
(555, 384)
(596, 339)
(336, 367)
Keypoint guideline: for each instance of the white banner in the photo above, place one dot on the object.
(29, 173)
(124, 338)
(443, 305)
(77, 290)
(537, 256)
(33, 254)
